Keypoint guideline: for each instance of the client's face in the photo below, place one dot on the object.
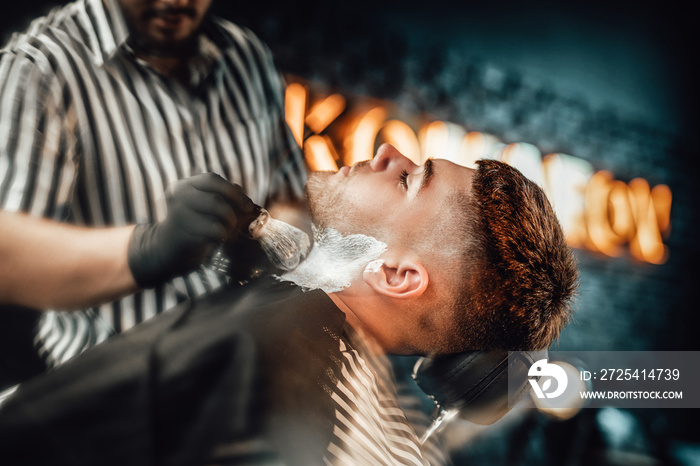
(389, 197)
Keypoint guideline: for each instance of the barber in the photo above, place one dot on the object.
(130, 133)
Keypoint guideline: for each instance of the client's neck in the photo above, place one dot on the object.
(356, 323)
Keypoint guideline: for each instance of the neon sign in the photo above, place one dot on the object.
(597, 212)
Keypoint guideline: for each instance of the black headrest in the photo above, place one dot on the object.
(476, 382)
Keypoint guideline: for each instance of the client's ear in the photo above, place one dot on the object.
(401, 278)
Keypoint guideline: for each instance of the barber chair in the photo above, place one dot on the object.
(474, 385)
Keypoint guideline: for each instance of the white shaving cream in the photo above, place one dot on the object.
(336, 260)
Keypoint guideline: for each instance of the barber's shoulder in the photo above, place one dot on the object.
(233, 29)
(233, 34)
(45, 42)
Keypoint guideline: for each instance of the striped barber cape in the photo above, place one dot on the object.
(372, 424)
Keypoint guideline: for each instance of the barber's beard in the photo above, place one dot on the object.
(145, 45)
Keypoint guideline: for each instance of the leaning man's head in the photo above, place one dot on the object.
(475, 259)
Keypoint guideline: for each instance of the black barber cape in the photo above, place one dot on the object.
(236, 375)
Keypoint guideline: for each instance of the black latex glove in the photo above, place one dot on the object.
(203, 212)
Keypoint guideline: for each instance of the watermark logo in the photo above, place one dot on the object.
(562, 382)
(547, 372)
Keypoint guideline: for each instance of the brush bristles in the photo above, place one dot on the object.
(283, 244)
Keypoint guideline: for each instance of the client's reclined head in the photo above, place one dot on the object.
(475, 258)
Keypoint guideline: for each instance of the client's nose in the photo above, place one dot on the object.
(388, 156)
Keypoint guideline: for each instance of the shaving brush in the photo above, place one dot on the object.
(284, 245)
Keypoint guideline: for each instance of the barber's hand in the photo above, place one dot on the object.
(203, 212)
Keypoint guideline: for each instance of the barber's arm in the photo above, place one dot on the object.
(46, 264)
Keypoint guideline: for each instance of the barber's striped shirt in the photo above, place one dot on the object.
(92, 135)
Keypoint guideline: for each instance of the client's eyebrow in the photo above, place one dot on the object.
(427, 175)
